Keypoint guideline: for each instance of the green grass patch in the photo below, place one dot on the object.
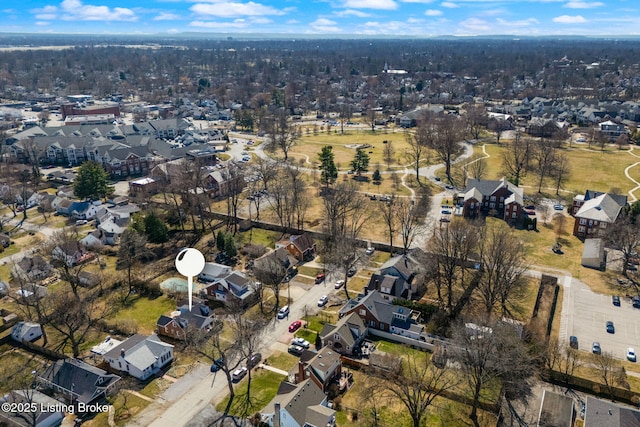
(307, 334)
(284, 361)
(258, 236)
(125, 405)
(379, 257)
(264, 386)
(309, 271)
(144, 312)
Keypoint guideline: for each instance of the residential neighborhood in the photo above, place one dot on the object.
(371, 236)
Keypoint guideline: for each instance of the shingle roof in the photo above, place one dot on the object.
(140, 351)
(295, 401)
(82, 379)
(602, 208)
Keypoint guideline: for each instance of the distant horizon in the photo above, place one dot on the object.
(327, 18)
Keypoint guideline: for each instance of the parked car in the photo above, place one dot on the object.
(217, 364)
(283, 312)
(320, 278)
(530, 207)
(635, 302)
(610, 328)
(558, 207)
(573, 341)
(437, 178)
(239, 374)
(595, 348)
(323, 301)
(445, 212)
(616, 300)
(631, 354)
(301, 342)
(295, 350)
(445, 219)
(369, 251)
(632, 267)
(295, 326)
(449, 187)
(352, 271)
(254, 360)
(339, 284)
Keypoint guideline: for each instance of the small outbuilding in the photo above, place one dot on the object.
(26, 331)
(593, 254)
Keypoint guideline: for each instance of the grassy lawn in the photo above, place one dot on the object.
(264, 386)
(284, 361)
(145, 312)
(125, 405)
(592, 169)
(258, 236)
(309, 271)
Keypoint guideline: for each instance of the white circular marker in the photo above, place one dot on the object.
(190, 262)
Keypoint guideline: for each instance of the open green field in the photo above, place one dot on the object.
(144, 312)
(264, 386)
(589, 169)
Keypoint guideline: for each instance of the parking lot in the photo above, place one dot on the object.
(590, 313)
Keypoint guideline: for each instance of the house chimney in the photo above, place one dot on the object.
(276, 415)
(122, 353)
(377, 285)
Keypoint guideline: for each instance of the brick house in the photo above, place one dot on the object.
(323, 368)
(176, 327)
(487, 197)
(301, 247)
(596, 213)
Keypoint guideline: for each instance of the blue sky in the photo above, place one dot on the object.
(326, 17)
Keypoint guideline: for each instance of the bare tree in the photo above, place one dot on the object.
(418, 142)
(503, 268)
(561, 170)
(131, 251)
(416, 383)
(410, 221)
(545, 158)
(477, 169)
(515, 159)
(448, 130)
(346, 112)
(452, 247)
(490, 351)
(282, 134)
(499, 126)
(624, 235)
(270, 272)
(388, 212)
(476, 119)
(608, 368)
(388, 153)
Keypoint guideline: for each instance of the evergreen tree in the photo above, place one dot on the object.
(327, 166)
(220, 241)
(360, 162)
(230, 246)
(155, 229)
(92, 182)
(377, 177)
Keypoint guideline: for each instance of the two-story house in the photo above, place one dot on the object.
(299, 405)
(346, 336)
(596, 214)
(177, 326)
(396, 278)
(496, 198)
(302, 247)
(324, 368)
(233, 289)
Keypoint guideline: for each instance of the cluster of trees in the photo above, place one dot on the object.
(470, 261)
(544, 158)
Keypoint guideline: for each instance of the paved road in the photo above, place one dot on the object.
(192, 393)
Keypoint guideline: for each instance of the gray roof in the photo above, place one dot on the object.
(375, 303)
(140, 351)
(602, 413)
(83, 380)
(603, 208)
(403, 264)
(322, 361)
(305, 395)
(555, 410)
(488, 187)
(51, 414)
(350, 328)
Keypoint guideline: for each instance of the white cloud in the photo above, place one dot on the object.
(47, 13)
(351, 12)
(42, 23)
(566, 19)
(583, 5)
(449, 5)
(433, 12)
(229, 9)
(261, 20)
(219, 25)
(518, 24)
(476, 25)
(371, 4)
(323, 25)
(74, 10)
(293, 21)
(166, 16)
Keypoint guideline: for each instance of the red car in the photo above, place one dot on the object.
(295, 326)
(320, 278)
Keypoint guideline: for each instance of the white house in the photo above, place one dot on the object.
(140, 356)
(26, 331)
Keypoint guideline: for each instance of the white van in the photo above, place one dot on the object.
(239, 374)
(283, 312)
